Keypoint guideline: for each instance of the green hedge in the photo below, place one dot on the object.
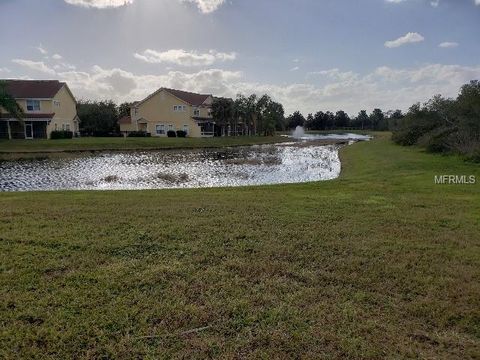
(61, 134)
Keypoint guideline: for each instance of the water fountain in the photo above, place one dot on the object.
(298, 133)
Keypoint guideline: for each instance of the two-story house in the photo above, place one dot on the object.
(168, 109)
(48, 105)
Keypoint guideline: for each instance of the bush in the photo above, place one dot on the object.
(437, 141)
(139, 134)
(181, 133)
(171, 133)
(61, 134)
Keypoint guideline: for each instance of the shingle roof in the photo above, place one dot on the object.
(189, 97)
(39, 89)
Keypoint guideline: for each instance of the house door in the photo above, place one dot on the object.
(28, 131)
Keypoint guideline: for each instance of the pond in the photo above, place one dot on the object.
(293, 162)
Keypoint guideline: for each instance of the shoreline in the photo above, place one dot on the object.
(51, 153)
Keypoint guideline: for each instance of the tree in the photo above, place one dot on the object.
(124, 109)
(330, 120)
(222, 113)
(341, 119)
(362, 120)
(9, 103)
(294, 120)
(247, 107)
(99, 118)
(273, 117)
(394, 117)
(309, 122)
(377, 120)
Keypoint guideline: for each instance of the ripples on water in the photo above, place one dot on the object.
(254, 165)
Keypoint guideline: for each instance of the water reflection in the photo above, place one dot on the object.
(253, 165)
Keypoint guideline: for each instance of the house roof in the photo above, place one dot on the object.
(189, 97)
(125, 120)
(193, 99)
(36, 89)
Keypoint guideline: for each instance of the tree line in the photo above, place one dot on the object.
(377, 120)
(445, 125)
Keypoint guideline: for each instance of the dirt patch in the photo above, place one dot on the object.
(172, 178)
(111, 178)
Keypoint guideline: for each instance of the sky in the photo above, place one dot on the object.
(310, 55)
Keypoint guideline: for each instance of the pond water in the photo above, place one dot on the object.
(293, 162)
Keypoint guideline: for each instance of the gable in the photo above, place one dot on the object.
(187, 98)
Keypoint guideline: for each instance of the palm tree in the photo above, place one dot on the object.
(9, 104)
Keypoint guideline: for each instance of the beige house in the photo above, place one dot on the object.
(48, 105)
(168, 109)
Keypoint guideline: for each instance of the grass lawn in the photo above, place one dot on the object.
(153, 143)
(380, 263)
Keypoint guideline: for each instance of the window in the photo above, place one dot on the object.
(185, 128)
(170, 127)
(179, 108)
(56, 126)
(160, 129)
(63, 127)
(67, 127)
(33, 105)
(196, 112)
(56, 103)
(135, 111)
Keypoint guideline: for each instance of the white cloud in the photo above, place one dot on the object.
(121, 85)
(206, 6)
(42, 50)
(5, 70)
(57, 57)
(335, 74)
(386, 88)
(184, 58)
(295, 68)
(434, 3)
(39, 66)
(99, 4)
(411, 37)
(448, 44)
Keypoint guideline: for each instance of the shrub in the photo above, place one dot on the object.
(139, 134)
(437, 141)
(61, 134)
(181, 134)
(171, 133)
(414, 126)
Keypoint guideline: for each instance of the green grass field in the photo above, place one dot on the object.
(152, 143)
(381, 263)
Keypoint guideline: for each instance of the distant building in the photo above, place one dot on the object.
(169, 109)
(48, 105)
